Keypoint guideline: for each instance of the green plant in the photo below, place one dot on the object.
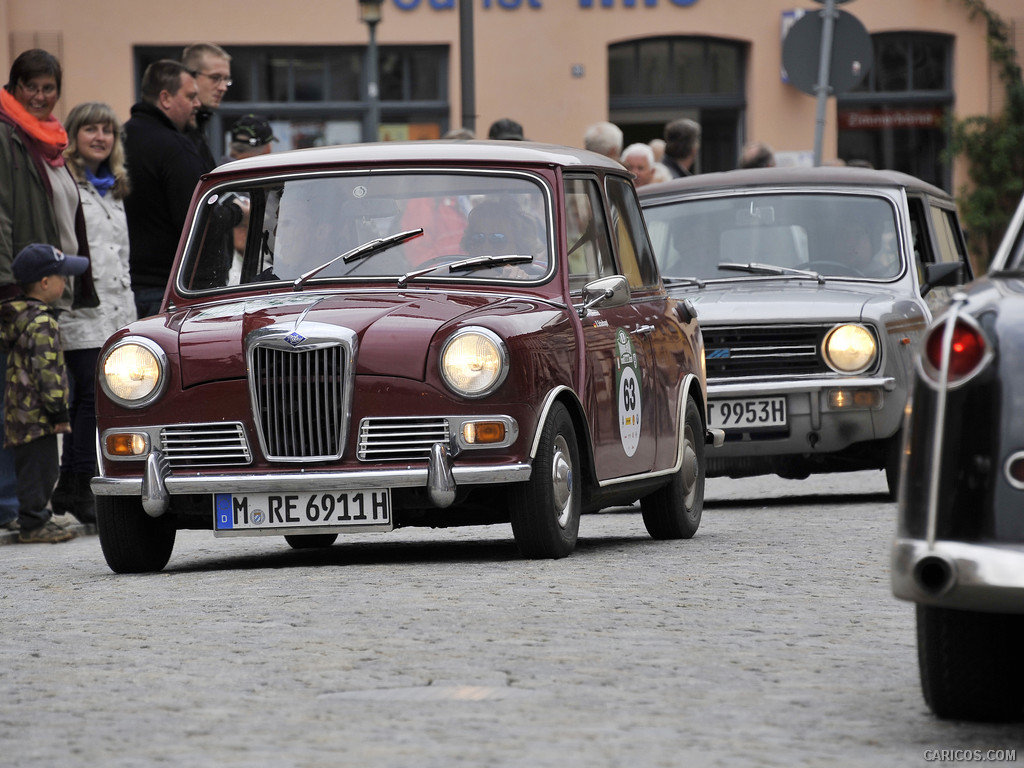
(993, 146)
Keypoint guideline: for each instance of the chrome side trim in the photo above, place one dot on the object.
(987, 577)
(939, 429)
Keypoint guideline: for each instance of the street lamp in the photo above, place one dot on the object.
(369, 13)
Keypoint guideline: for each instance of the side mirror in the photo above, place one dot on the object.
(607, 292)
(685, 311)
(946, 273)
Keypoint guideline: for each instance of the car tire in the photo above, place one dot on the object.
(674, 510)
(546, 508)
(971, 665)
(131, 540)
(311, 541)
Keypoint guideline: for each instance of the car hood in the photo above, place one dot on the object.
(779, 301)
(394, 330)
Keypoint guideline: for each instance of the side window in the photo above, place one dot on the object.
(949, 243)
(923, 253)
(634, 249)
(586, 234)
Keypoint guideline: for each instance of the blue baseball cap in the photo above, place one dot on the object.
(38, 260)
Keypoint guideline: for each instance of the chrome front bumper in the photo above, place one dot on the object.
(952, 574)
(440, 478)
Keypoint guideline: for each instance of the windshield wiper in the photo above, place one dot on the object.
(467, 265)
(756, 268)
(359, 252)
(682, 281)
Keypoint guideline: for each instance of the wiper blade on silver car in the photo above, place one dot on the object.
(756, 268)
(667, 280)
(467, 265)
(359, 252)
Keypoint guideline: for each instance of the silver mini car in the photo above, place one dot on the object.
(813, 287)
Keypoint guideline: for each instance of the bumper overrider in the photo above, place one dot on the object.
(954, 574)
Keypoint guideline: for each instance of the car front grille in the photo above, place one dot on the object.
(205, 445)
(400, 439)
(300, 401)
(768, 350)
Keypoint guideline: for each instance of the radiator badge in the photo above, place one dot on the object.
(295, 338)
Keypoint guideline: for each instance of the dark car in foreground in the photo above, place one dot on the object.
(959, 549)
(427, 333)
(813, 287)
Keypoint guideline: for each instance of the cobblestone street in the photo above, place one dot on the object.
(770, 639)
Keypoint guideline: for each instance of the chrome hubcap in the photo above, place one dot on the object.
(690, 469)
(561, 481)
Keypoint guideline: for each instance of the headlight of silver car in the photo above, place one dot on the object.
(133, 372)
(474, 362)
(850, 348)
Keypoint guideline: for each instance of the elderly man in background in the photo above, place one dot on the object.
(639, 160)
(605, 139)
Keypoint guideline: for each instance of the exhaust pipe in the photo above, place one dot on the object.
(935, 574)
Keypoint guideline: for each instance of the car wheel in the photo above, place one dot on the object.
(970, 662)
(311, 541)
(546, 508)
(131, 540)
(674, 510)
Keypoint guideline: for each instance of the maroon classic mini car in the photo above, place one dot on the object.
(367, 337)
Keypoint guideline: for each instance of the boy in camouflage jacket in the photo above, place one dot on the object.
(36, 390)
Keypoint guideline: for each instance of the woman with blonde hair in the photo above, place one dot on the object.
(95, 158)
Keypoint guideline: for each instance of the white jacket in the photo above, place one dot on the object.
(107, 229)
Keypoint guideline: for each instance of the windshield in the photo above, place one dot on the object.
(281, 230)
(794, 235)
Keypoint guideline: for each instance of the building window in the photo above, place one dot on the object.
(895, 118)
(316, 95)
(655, 80)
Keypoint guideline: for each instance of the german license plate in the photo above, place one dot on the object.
(242, 513)
(747, 413)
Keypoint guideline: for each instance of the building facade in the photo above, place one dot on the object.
(555, 66)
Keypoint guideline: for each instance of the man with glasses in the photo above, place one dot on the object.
(211, 66)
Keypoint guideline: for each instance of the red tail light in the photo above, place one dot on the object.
(967, 354)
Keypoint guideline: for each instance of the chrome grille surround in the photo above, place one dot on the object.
(218, 444)
(301, 378)
(765, 350)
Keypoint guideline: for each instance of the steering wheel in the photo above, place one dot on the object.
(833, 268)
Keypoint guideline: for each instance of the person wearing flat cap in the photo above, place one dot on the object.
(506, 129)
(36, 387)
(250, 135)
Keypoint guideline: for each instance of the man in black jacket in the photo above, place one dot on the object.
(165, 166)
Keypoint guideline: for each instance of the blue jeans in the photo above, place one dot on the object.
(8, 475)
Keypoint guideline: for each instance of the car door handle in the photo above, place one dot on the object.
(643, 329)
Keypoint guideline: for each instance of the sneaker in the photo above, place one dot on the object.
(10, 525)
(50, 533)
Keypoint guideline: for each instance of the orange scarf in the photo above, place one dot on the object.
(49, 133)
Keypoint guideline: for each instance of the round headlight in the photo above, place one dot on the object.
(474, 362)
(133, 372)
(850, 349)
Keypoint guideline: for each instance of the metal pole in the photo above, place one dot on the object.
(372, 89)
(824, 75)
(466, 64)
